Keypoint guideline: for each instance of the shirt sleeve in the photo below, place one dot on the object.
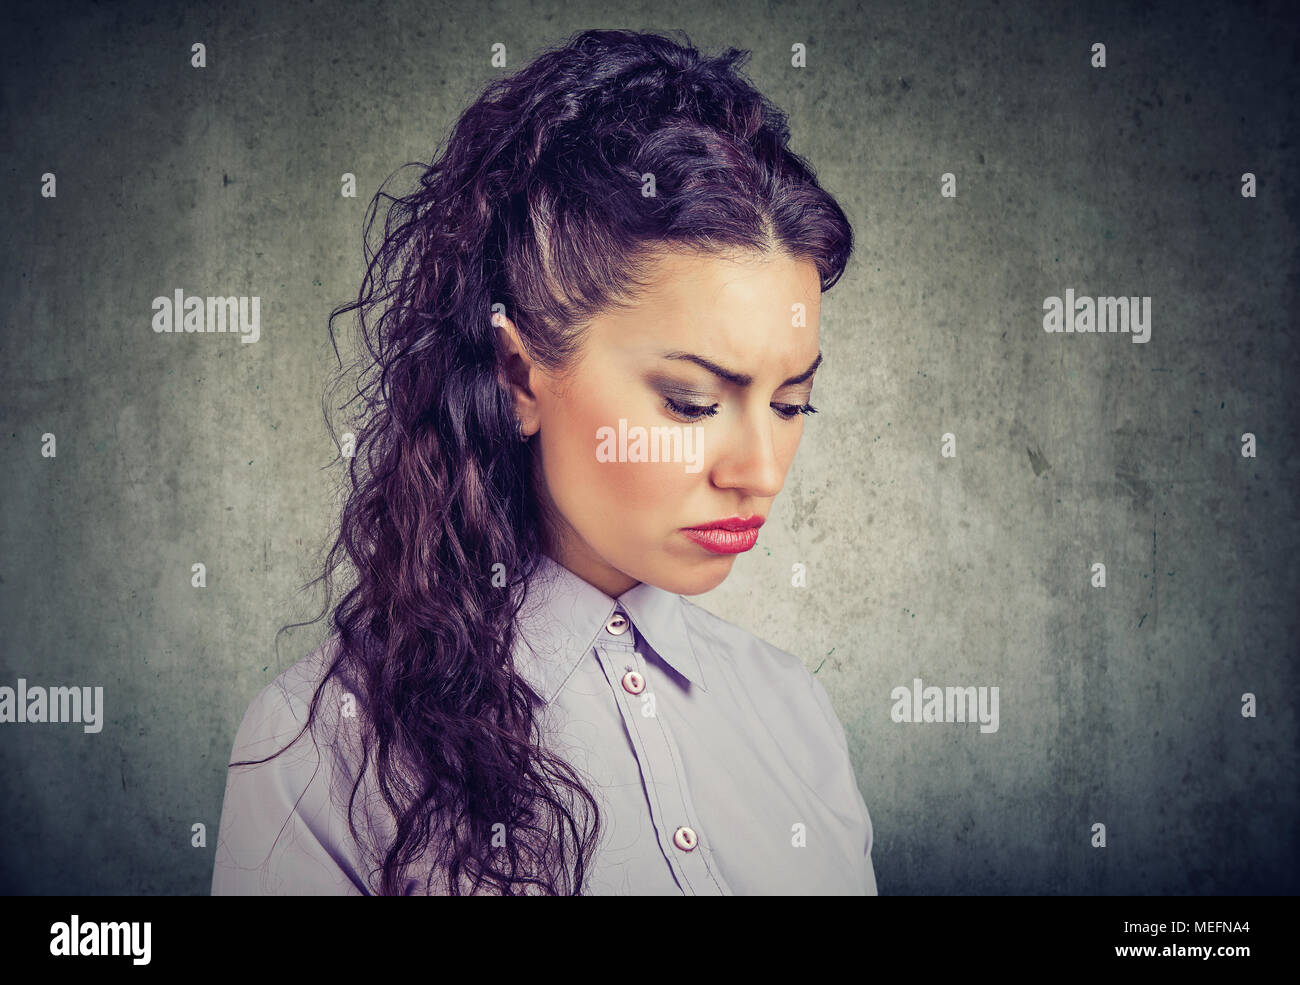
(279, 833)
(849, 780)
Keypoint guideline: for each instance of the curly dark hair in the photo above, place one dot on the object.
(554, 188)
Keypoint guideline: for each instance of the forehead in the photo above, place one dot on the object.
(742, 309)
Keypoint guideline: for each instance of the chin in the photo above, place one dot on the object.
(698, 577)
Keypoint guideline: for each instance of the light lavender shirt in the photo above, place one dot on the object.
(717, 760)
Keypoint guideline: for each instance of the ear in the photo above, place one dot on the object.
(515, 371)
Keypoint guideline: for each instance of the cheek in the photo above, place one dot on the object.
(619, 489)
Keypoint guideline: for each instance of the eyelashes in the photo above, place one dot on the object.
(692, 412)
(792, 409)
(696, 412)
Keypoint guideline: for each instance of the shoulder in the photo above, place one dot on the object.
(738, 648)
(279, 710)
(284, 825)
(791, 702)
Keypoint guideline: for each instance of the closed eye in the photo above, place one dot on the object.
(696, 412)
(692, 412)
(787, 411)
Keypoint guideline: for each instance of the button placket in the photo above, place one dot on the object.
(658, 761)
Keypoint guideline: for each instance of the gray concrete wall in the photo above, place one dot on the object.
(1119, 705)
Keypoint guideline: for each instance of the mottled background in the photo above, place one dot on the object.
(1118, 705)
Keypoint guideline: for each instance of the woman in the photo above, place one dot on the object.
(596, 341)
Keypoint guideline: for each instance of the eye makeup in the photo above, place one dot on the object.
(688, 403)
(692, 412)
(787, 411)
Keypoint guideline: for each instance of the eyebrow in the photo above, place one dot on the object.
(739, 379)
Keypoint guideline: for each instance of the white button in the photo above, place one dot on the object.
(633, 683)
(684, 838)
(617, 624)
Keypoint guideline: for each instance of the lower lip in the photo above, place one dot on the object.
(721, 541)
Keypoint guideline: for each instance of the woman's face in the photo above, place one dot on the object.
(632, 396)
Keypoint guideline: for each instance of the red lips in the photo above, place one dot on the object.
(732, 523)
(734, 535)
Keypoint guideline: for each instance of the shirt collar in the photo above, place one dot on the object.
(563, 615)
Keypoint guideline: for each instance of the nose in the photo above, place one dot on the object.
(750, 461)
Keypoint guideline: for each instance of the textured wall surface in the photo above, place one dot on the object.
(1120, 705)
